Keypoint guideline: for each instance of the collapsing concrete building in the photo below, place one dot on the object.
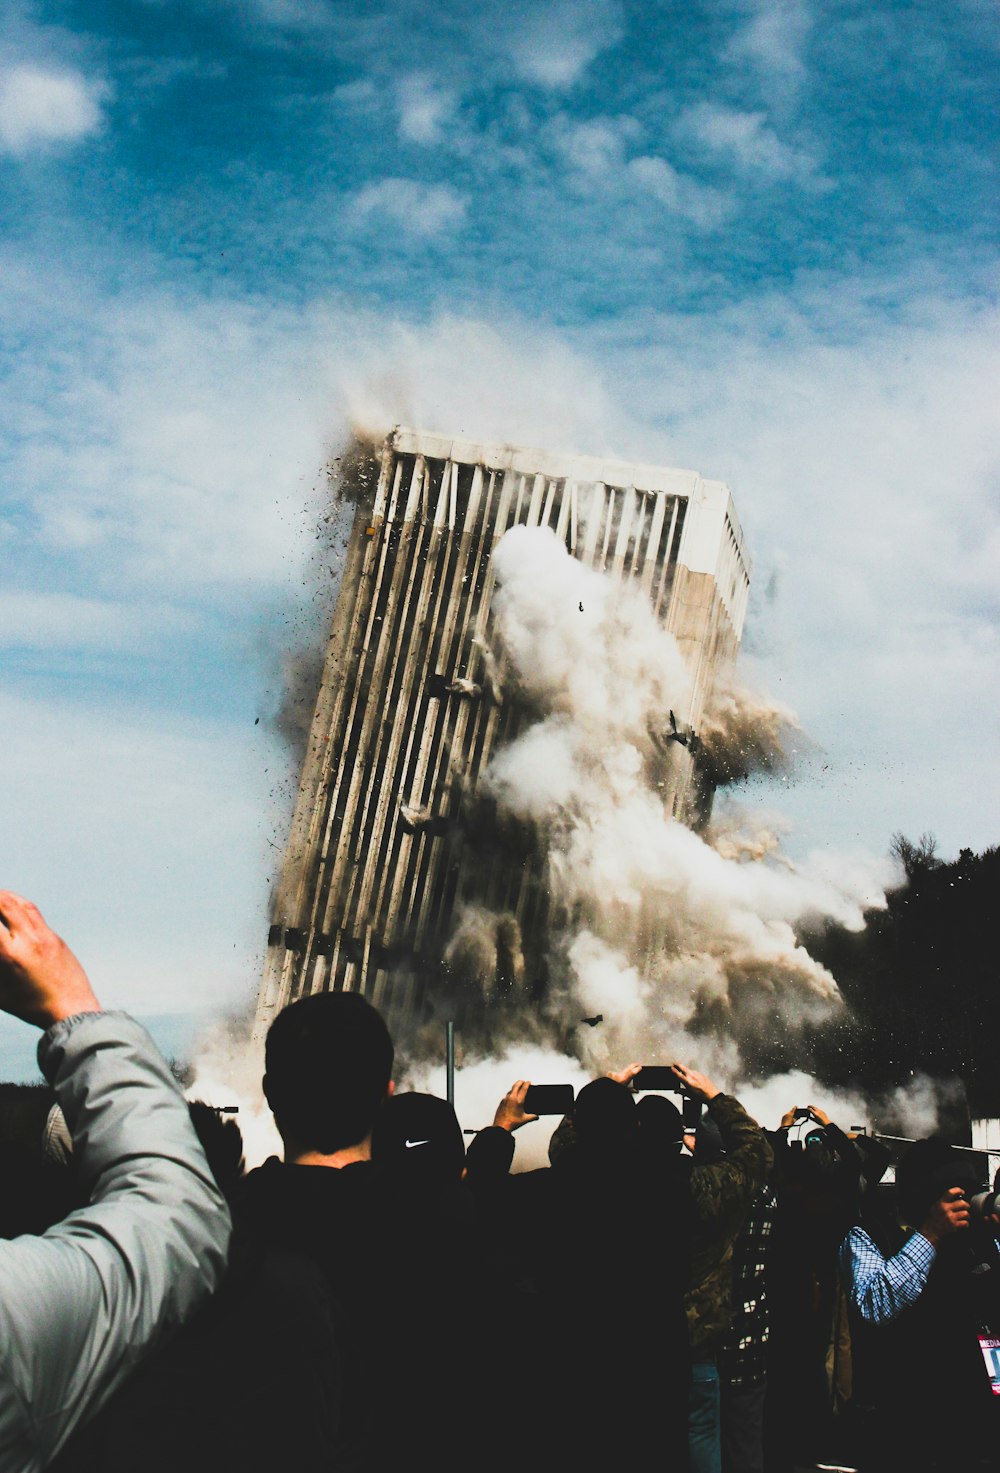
(392, 833)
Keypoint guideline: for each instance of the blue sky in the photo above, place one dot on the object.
(755, 239)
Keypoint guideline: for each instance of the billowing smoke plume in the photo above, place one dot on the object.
(741, 733)
(662, 931)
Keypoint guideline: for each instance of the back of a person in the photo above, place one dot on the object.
(418, 1302)
(606, 1239)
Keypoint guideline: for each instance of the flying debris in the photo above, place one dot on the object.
(462, 686)
(422, 820)
(593, 1022)
(675, 735)
(684, 736)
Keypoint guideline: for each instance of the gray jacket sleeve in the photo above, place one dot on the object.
(80, 1305)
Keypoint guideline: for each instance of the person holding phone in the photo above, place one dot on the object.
(602, 1245)
(700, 1203)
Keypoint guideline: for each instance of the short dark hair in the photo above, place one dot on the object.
(328, 1062)
(604, 1117)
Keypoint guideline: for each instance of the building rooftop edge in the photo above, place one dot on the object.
(503, 455)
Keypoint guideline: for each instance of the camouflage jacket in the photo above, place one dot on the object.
(722, 1194)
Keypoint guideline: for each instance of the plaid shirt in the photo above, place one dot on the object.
(880, 1288)
(743, 1352)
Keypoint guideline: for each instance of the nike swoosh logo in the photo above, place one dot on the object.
(411, 1144)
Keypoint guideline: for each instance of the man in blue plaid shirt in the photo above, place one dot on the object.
(919, 1297)
(880, 1288)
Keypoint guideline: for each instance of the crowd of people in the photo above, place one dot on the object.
(704, 1297)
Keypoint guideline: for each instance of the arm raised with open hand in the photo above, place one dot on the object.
(41, 980)
(80, 1305)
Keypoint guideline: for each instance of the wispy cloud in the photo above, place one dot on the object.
(92, 798)
(290, 15)
(773, 41)
(594, 147)
(43, 106)
(680, 194)
(748, 141)
(425, 109)
(67, 621)
(134, 427)
(421, 211)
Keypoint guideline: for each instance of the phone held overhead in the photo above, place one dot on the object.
(549, 1099)
(658, 1076)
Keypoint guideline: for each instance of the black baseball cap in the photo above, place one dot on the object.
(420, 1135)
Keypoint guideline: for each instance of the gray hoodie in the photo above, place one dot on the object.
(83, 1303)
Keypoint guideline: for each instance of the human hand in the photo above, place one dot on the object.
(698, 1086)
(949, 1214)
(789, 1118)
(511, 1114)
(820, 1116)
(41, 980)
(626, 1075)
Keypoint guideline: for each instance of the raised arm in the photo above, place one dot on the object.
(81, 1304)
(880, 1288)
(726, 1189)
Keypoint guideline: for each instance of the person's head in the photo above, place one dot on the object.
(928, 1170)
(328, 1065)
(418, 1136)
(661, 1126)
(604, 1118)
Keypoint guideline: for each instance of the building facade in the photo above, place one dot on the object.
(390, 835)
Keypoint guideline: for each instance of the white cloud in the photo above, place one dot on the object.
(290, 15)
(361, 95)
(161, 445)
(421, 211)
(425, 109)
(773, 41)
(42, 106)
(679, 193)
(144, 841)
(67, 621)
(554, 43)
(513, 382)
(748, 140)
(595, 147)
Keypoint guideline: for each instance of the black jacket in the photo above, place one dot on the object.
(601, 1249)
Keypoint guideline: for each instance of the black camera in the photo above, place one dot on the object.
(982, 1206)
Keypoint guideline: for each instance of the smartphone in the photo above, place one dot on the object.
(549, 1099)
(658, 1076)
(690, 1114)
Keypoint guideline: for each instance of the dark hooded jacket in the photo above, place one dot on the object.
(600, 1243)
